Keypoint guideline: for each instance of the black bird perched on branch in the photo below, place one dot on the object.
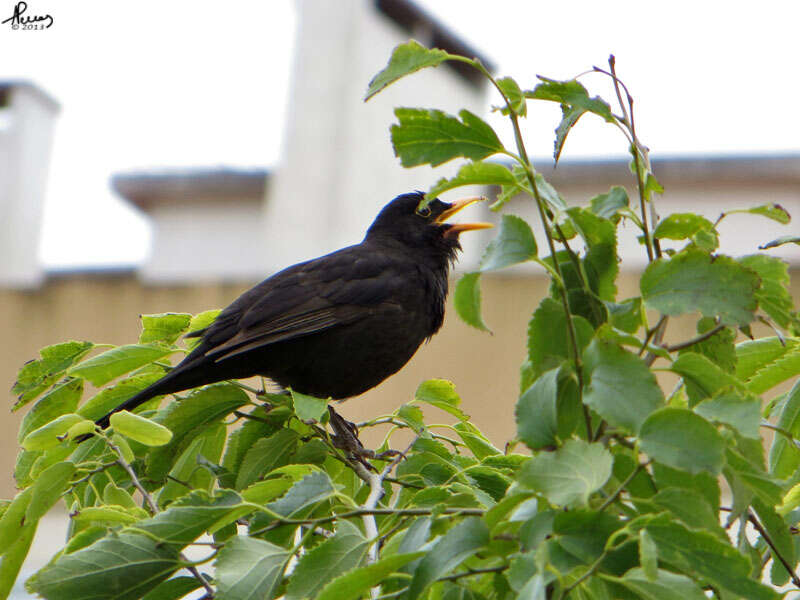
(337, 325)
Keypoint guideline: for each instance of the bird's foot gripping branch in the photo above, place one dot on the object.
(622, 488)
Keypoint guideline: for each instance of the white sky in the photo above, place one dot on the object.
(153, 84)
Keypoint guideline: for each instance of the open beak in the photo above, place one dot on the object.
(461, 227)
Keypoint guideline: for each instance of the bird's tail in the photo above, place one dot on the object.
(180, 378)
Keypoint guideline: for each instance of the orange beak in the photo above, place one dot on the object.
(461, 227)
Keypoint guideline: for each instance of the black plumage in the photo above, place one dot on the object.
(337, 325)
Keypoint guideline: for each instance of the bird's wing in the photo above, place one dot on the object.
(337, 289)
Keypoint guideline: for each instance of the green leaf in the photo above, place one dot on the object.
(474, 173)
(47, 489)
(548, 346)
(703, 483)
(719, 348)
(310, 490)
(441, 394)
(112, 515)
(109, 365)
(201, 408)
(13, 556)
(784, 456)
(509, 191)
(164, 327)
(467, 301)
(752, 475)
(61, 400)
(514, 244)
(740, 411)
(648, 555)
(353, 585)
(703, 378)
(140, 429)
(239, 442)
(619, 385)
(687, 226)
(111, 397)
(767, 362)
(434, 137)
(249, 569)
(477, 443)
(206, 446)
(514, 94)
(548, 409)
(38, 375)
(458, 544)
(121, 567)
(574, 100)
(173, 589)
(705, 555)
(609, 205)
(684, 440)
(537, 424)
(188, 517)
(694, 280)
(47, 436)
(13, 519)
(785, 239)
(773, 296)
(339, 554)
(572, 93)
(406, 58)
(568, 476)
(772, 211)
(690, 506)
(627, 315)
(200, 322)
(308, 408)
(665, 586)
(265, 455)
(569, 118)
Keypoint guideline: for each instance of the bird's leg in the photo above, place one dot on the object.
(345, 437)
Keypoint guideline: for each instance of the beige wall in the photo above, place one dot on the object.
(105, 308)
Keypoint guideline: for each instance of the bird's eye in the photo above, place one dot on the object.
(425, 211)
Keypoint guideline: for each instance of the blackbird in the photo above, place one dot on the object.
(337, 325)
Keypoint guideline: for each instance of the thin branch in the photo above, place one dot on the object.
(700, 338)
(375, 495)
(153, 507)
(651, 333)
(755, 522)
(360, 512)
(471, 572)
(622, 486)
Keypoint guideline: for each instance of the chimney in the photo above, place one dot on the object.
(27, 119)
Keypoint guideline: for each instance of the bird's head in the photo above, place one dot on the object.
(425, 229)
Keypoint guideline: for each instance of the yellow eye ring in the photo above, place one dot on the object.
(425, 211)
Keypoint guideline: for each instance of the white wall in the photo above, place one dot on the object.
(209, 241)
(26, 133)
(338, 166)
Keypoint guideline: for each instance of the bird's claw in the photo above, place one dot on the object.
(345, 437)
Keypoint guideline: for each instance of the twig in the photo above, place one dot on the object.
(755, 522)
(651, 333)
(151, 504)
(700, 338)
(375, 495)
(622, 486)
(360, 512)
(471, 572)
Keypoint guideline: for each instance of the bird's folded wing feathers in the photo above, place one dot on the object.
(285, 328)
